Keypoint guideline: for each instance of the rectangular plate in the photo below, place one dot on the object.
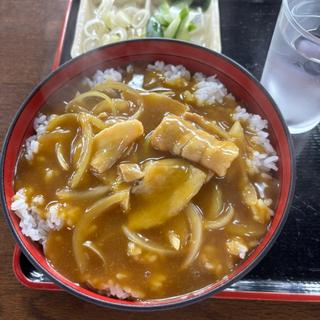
(87, 8)
(291, 270)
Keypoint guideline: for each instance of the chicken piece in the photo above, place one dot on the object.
(167, 187)
(155, 106)
(130, 172)
(110, 143)
(184, 139)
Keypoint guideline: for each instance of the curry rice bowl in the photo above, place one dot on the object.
(40, 217)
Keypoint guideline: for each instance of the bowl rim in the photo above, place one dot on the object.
(187, 300)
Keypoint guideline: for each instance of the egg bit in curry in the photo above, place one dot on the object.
(155, 192)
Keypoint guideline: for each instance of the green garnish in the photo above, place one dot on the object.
(154, 28)
(172, 22)
(172, 29)
(191, 27)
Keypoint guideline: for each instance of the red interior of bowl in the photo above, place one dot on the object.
(196, 59)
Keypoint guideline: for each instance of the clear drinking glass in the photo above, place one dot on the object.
(292, 70)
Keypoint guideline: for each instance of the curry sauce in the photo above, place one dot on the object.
(154, 190)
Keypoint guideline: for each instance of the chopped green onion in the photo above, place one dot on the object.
(183, 32)
(172, 29)
(191, 27)
(154, 28)
(184, 13)
(172, 22)
(163, 14)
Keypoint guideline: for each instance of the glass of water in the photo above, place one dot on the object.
(292, 70)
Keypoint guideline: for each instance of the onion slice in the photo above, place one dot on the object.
(91, 94)
(67, 194)
(222, 220)
(216, 204)
(74, 108)
(61, 120)
(145, 243)
(195, 222)
(96, 122)
(62, 161)
(137, 114)
(85, 152)
(128, 92)
(81, 229)
(126, 89)
(210, 126)
(88, 244)
(97, 27)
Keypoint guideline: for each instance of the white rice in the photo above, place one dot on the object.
(53, 220)
(38, 200)
(259, 161)
(209, 90)
(31, 224)
(263, 161)
(170, 71)
(117, 291)
(129, 68)
(40, 124)
(32, 145)
(199, 76)
(114, 290)
(242, 251)
(237, 248)
(102, 76)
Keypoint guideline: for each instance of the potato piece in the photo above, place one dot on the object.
(167, 187)
(110, 143)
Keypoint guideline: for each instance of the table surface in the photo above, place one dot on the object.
(29, 31)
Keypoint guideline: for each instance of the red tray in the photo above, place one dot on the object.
(298, 291)
(226, 294)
